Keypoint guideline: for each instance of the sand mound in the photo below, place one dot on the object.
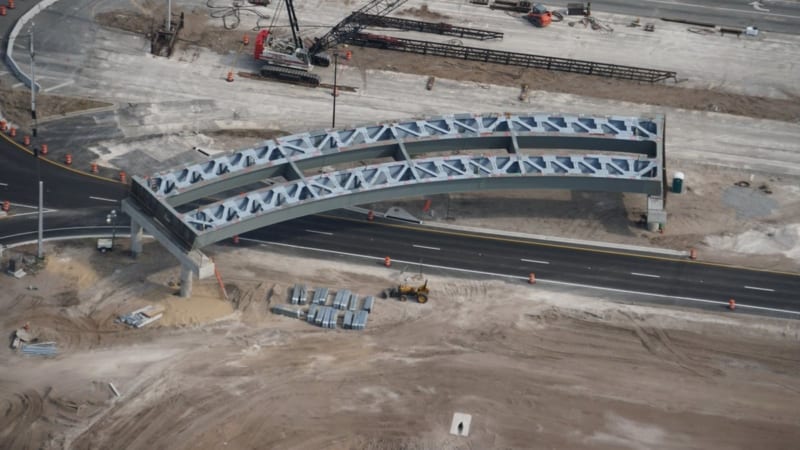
(773, 240)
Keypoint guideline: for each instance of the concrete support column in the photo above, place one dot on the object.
(187, 276)
(656, 214)
(136, 238)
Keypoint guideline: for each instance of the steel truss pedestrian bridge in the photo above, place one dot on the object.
(291, 177)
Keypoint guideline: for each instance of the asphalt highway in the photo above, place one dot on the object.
(777, 15)
(705, 284)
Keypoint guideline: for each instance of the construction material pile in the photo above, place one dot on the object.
(321, 314)
(39, 349)
(141, 317)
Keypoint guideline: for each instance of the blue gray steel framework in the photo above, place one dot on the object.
(609, 153)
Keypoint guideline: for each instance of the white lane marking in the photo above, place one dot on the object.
(102, 199)
(53, 88)
(320, 232)
(538, 280)
(645, 275)
(759, 289)
(744, 11)
(4, 184)
(425, 247)
(534, 261)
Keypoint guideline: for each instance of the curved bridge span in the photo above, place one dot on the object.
(539, 151)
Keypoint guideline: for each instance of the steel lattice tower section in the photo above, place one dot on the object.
(614, 154)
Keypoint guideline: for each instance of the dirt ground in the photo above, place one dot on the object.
(15, 105)
(198, 33)
(536, 367)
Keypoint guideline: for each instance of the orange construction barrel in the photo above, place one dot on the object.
(371, 215)
(26, 140)
(246, 39)
(230, 76)
(122, 176)
(94, 168)
(532, 278)
(2, 10)
(11, 4)
(6, 205)
(12, 132)
(732, 304)
(387, 261)
(236, 239)
(68, 159)
(44, 149)
(692, 254)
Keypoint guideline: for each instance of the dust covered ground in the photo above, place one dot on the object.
(536, 367)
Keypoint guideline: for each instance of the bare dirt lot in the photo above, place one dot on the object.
(198, 33)
(534, 366)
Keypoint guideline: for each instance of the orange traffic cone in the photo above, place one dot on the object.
(732, 304)
(387, 261)
(2, 125)
(12, 132)
(532, 278)
(348, 55)
(371, 215)
(123, 176)
(230, 76)
(94, 168)
(6, 205)
(245, 39)
(68, 159)
(44, 149)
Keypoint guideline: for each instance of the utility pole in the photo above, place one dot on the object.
(335, 88)
(169, 16)
(40, 251)
(33, 85)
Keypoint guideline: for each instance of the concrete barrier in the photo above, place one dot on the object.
(12, 38)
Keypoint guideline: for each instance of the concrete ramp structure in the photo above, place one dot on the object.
(294, 176)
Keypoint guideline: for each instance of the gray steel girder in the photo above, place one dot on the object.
(622, 134)
(457, 173)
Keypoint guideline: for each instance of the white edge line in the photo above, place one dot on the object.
(31, 213)
(563, 283)
(534, 261)
(53, 88)
(23, 205)
(645, 275)
(377, 258)
(104, 199)
(58, 238)
(759, 289)
(426, 247)
(320, 232)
